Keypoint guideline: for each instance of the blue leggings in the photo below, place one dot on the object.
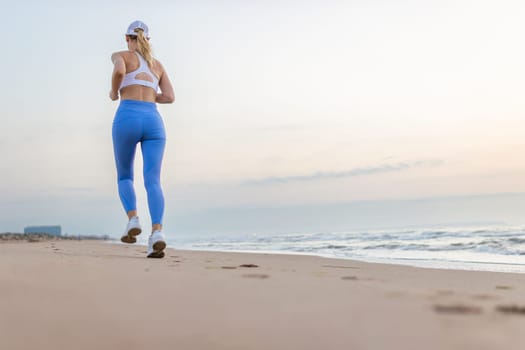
(139, 121)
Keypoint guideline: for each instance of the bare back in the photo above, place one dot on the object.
(138, 92)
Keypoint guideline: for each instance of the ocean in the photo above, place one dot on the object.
(489, 248)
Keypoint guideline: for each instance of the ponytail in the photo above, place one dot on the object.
(143, 46)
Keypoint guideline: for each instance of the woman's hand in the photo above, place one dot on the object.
(113, 95)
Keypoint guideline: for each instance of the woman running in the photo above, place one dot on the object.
(136, 77)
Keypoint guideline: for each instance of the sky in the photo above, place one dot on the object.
(290, 111)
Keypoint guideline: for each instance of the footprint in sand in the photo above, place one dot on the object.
(349, 278)
(256, 275)
(249, 265)
(235, 267)
(511, 309)
(503, 287)
(458, 309)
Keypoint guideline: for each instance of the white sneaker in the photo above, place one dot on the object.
(133, 229)
(156, 245)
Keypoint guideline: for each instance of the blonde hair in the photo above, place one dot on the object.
(143, 46)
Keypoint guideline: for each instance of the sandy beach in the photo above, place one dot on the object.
(99, 295)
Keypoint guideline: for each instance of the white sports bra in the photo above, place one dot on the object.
(131, 77)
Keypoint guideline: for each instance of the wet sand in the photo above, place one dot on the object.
(97, 295)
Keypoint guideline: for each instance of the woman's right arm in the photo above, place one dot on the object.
(119, 70)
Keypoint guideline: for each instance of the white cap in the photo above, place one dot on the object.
(139, 25)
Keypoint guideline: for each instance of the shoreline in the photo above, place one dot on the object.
(407, 262)
(90, 294)
(454, 265)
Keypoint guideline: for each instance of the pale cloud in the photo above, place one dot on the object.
(364, 171)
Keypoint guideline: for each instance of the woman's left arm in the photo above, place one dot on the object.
(167, 95)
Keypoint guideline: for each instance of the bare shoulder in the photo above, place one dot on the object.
(158, 67)
(157, 64)
(117, 55)
(124, 54)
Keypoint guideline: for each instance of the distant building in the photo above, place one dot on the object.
(50, 230)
